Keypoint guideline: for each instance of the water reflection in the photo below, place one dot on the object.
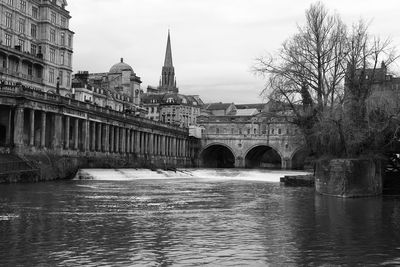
(192, 222)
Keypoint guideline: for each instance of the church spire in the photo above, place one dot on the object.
(168, 81)
(168, 53)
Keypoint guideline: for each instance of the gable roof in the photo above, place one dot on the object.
(217, 106)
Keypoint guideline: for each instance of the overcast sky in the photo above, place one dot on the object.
(214, 42)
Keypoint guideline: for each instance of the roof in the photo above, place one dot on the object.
(258, 106)
(217, 106)
(246, 112)
(119, 67)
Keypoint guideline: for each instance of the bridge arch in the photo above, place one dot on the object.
(263, 156)
(217, 155)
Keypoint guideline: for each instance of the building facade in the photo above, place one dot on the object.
(165, 104)
(36, 45)
(119, 89)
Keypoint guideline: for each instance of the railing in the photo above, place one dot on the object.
(24, 76)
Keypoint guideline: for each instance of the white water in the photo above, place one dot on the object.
(215, 174)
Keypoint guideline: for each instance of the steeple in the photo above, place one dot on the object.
(168, 81)
(168, 53)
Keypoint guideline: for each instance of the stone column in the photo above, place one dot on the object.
(9, 127)
(57, 133)
(66, 132)
(137, 142)
(128, 141)
(76, 134)
(151, 144)
(43, 130)
(117, 140)
(163, 145)
(112, 139)
(32, 127)
(85, 135)
(92, 136)
(133, 141)
(157, 144)
(174, 147)
(19, 127)
(106, 138)
(99, 132)
(123, 140)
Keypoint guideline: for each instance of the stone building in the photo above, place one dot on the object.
(36, 45)
(119, 89)
(165, 104)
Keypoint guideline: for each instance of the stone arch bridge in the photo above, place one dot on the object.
(253, 151)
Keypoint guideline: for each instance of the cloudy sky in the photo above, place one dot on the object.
(214, 42)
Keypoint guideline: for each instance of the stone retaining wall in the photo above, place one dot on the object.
(349, 177)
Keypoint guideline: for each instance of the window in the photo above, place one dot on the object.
(248, 131)
(33, 49)
(69, 63)
(21, 43)
(279, 131)
(23, 5)
(255, 131)
(51, 75)
(52, 55)
(10, 2)
(62, 38)
(53, 17)
(61, 77)
(52, 35)
(8, 20)
(62, 58)
(30, 70)
(217, 130)
(69, 41)
(33, 30)
(35, 13)
(8, 39)
(63, 22)
(21, 25)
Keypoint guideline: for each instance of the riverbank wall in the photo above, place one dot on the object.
(43, 166)
(349, 177)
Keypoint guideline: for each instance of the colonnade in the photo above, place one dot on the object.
(67, 132)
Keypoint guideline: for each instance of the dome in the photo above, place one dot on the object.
(119, 67)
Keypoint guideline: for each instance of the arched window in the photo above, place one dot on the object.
(217, 130)
(279, 131)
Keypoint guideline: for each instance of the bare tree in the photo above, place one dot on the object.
(321, 68)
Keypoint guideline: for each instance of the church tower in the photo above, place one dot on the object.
(168, 81)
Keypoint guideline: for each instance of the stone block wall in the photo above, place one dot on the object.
(349, 177)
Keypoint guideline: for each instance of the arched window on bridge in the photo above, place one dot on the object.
(255, 131)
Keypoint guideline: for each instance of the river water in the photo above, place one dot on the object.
(192, 218)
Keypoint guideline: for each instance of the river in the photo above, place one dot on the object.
(192, 218)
